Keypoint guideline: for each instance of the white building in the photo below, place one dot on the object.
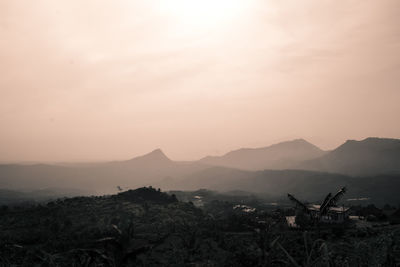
(334, 214)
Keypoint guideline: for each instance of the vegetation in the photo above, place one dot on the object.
(147, 227)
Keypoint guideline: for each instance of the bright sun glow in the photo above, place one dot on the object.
(204, 14)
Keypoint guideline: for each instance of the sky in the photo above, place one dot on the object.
(110, 80)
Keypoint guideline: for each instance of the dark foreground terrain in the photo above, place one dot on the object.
(146, 227)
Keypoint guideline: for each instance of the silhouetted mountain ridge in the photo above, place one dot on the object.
(278, 156)
(146, 194)
(156, 155)
(370, 156)
(236, 170)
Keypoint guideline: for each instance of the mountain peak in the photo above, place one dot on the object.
(157, 151)
(295, 141)
(155, 155)
(370, 156)
(278, 156)
(295, 144)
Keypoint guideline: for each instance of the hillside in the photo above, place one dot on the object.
(283, 155)
(144, 170)
(146, 227)
(277, 183)
(371, 156)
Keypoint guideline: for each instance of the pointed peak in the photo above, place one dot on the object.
(157, 151)
(301, 140)
(155, 155)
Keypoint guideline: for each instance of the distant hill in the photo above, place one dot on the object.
(155, 157)
(311, 185)
(284, 155)
(144, 170)
(370, 156)
(146, 194)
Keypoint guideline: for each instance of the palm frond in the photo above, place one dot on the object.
(334, 200)
(298, 202)
(326, 200)
(322, 208)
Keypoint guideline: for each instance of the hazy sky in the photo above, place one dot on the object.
(102, 80)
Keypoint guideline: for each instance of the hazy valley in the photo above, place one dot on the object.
(370, 168)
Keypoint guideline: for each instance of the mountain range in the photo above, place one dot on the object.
(284, 155)
(285, 167)
(370, 156)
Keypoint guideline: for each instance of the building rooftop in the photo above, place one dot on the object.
(334, 209)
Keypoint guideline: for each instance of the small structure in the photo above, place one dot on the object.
(333, 214)
(244, 208)
(291, 221)
(198, 201)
